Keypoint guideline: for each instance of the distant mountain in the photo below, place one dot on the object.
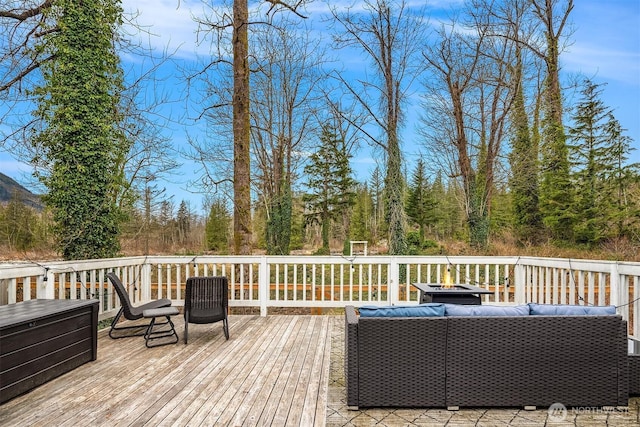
(10, 188)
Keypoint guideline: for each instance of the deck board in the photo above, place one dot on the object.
(272, 371)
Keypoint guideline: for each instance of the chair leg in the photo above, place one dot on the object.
(225, 326)
(150, 335)
(142, 328)
(186, 327)
(114, 322)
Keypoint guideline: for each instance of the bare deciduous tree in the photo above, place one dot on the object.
(472, 92)
(286, 88)
(238, 23)
(391, 35)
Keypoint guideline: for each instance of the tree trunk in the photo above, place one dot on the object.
(242, 234)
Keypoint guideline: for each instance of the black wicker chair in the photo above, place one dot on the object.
(130, 311)
(206, 301)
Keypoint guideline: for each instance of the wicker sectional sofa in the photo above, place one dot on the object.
(485, 361)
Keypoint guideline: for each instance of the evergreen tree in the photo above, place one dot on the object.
(420, 203)
(363, 216)
(81, 141)
(448, 214)
(183, 220)
(217, 228)
(502, 211)
(297, 223)
(587, 150)
(556, 195)
(623, 176)
(598, 152)
(379, 227)
(330, 183)
(166, 223)
(438, 193)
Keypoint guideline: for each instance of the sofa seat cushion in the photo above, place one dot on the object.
(570, 310)
(486, 310)
(422, 310)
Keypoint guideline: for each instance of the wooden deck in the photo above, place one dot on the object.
(273, 371)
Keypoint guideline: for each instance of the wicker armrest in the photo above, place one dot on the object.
(351, 355)
(634, 374)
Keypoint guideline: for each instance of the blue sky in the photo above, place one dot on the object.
(605, 47)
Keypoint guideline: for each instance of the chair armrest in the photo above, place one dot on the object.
(350, 315)
(351, 355)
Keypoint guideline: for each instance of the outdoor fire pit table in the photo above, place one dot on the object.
(451, 294)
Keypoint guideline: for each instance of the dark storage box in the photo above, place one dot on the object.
(42, 339)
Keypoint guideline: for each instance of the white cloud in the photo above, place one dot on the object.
(606, 41)
(605, 63)
(169, 23)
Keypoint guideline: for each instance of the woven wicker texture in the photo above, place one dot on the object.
(402, 361)
(623, 364)
(488, 361)
(634, 374)
(206, 301)
(351, 355)
(536, 360)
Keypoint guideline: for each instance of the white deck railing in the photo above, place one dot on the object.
(331, 281)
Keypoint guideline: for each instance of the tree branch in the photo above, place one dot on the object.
(29, 13)
(24, 73)
(293, 9)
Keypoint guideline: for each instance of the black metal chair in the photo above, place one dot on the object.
(206, 301)
(131, 312)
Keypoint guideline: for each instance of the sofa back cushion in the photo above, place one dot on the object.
(570, 310)
(422, 310)
(486, 310)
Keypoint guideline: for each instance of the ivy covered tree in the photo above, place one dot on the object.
(279, 222)
(331, 186)
(81, 143)
(391, 34)
(556, 193)
(524, 165)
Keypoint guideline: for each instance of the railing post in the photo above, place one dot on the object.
(145, 278)
(4, 291)
(45, 285)
(12, 291)
(520, 284)
(263, 285)
(394, 281)
(617, 298)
